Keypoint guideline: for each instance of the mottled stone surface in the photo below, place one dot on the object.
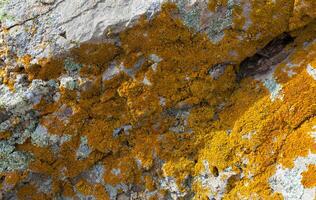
(157, 99)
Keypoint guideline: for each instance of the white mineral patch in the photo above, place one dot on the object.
(155, 58)
(146, 81)
(162, 101)
(111, 72)
(170, 184)
(215, 185)
(311, 71)
(116, 172)
(154, 67)
(288, 181)
(248, 135)
(271, 84)
(289, 72)
(274, 88)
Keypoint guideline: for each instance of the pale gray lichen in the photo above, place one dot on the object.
(40, 137)
(81, 196)
(195, 14)
(249, 135)
(4, 15)
(84, 150)
(287, 181)
(71, 66)
(23, 99)
(5, 149)
(61, 140)
(190, 16)
(19, 107)
(95, 175)
(42, 182)
(45, 186)
(68, 82)
(113, 190)
(181, 123)
(16, 160)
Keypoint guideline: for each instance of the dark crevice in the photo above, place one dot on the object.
(272, 54)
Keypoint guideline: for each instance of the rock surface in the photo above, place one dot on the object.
(158, 99)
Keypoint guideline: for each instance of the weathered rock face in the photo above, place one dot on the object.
(157, 99)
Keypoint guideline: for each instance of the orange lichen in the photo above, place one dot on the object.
(5, 135)
(231, 123)
(46, 69)
(11, 179)
(95, 190)
(309, 177)
(31, 192)
(149, 183)
(178, 168)
(95, 54)
(304, 12)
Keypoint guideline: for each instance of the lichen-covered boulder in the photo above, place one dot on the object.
(157, 99)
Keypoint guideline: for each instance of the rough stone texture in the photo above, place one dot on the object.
(157, 99)
(61, 24)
